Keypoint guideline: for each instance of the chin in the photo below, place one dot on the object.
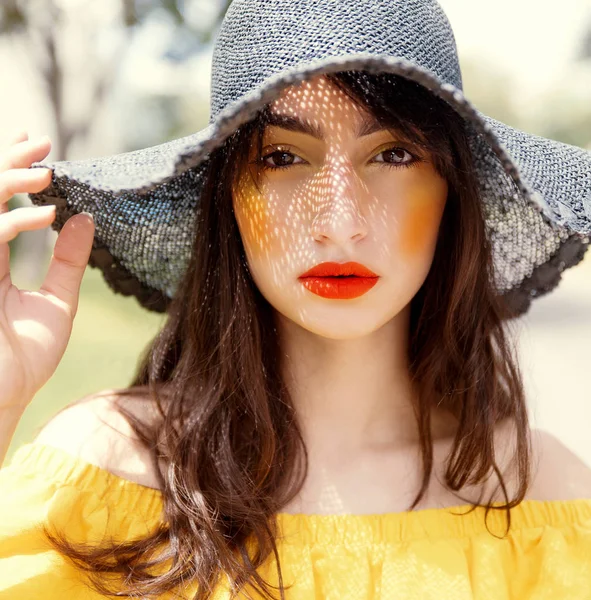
(354, 324)
(338, 334)
(336, 319)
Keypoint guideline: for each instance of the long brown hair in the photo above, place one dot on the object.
(227, 448)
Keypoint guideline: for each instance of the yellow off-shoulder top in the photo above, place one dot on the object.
(428, 554)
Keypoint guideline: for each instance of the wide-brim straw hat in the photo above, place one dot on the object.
(536, 192)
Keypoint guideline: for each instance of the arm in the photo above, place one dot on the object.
(9, 419)
(35, 327)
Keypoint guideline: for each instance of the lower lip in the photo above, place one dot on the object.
(343, 288)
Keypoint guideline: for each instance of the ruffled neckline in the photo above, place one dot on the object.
(56, 464)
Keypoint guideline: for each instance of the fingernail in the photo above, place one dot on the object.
(88, 215)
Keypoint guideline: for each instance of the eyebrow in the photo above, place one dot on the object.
(368, 126)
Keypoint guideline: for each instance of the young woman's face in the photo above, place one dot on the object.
(334, 186)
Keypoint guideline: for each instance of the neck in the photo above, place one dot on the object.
(353, 396)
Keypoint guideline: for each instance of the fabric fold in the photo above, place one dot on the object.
(432, 554)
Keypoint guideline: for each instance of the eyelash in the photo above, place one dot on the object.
(410, 163)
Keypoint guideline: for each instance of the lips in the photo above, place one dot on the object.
(339, 281)
(333, 269)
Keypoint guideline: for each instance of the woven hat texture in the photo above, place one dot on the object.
(536, 192)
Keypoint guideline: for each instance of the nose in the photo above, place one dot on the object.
(338, 217)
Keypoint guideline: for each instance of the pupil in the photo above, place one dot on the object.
(392, 154)
(283, 158)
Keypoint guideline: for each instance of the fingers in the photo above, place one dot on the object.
(21, 219)
(15, 172)
(74, 243)
(69, 260)
(22, 153)
(15, 177)
(26, 218)
(23, 180)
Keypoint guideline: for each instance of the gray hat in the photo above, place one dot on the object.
(536, 192)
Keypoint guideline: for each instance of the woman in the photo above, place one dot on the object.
(332, 408)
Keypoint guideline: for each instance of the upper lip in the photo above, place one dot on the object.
(333, 269)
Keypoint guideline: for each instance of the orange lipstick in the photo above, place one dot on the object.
(341, 281)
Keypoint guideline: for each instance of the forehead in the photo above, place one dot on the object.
(320, 108)
(317, 99)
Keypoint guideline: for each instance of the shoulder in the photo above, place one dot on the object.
(558, 473)
(94, 430)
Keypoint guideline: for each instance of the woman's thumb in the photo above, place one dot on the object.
(69, 260)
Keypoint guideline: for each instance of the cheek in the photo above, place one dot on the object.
(419, 224)
(251, 209)
(271, 219)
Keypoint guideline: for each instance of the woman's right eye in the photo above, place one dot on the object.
(280, 159)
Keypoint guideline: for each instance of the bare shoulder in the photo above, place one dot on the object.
(558, 473)
(94, 430)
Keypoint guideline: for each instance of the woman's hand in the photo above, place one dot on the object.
(35, 327)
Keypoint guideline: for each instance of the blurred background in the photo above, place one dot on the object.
(102, 78)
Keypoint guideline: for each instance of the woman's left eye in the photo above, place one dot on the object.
(395, 156)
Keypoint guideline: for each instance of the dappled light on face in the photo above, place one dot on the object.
(333, 185)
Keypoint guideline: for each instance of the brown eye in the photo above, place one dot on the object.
(395, 156)
(280, 158)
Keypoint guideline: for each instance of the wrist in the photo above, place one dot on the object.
(14, 408)
(9, 420)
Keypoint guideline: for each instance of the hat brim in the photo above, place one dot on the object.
(536, 192)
